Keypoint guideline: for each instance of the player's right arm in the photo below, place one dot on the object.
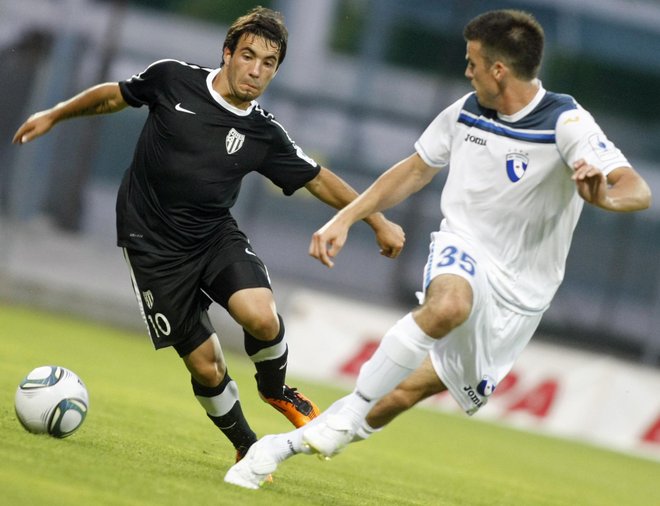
(100, 99)
(400, 181)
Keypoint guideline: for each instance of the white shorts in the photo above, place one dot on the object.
(474, 357)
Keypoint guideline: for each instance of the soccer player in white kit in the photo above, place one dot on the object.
(521, 163)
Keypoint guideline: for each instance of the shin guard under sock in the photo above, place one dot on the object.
(270, 361)
(223, 407)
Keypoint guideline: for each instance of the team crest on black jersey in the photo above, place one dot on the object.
(516, 165)
(234, 141)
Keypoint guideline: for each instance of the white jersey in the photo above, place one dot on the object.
(509, 189)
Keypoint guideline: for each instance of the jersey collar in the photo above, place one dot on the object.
(512, 118)
(221, 101)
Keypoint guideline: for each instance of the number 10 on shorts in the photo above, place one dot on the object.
(159, 323)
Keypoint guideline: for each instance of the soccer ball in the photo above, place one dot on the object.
(51, 400)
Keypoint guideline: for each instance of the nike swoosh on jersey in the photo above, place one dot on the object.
(181, 109)
(250, 252)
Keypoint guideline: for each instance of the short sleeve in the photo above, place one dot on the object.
(434, 145)
(286, 164)
(579, 136)
(143, 88)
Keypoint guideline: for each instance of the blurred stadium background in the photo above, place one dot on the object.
(361, 80)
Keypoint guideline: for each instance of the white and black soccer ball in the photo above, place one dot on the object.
(51, 400)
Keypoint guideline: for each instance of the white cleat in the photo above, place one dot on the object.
(253, 469)
(328, 437)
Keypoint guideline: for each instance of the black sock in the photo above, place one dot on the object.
(232, 423)
(271, 370)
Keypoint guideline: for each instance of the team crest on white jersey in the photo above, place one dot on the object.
(516, 165)
(234, 141)
(486, 386)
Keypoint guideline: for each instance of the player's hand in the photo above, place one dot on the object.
(36, 125)
(328, 241)
(390, 238)
(590, 181)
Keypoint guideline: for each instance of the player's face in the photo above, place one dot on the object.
(480, 72)
(249, 69)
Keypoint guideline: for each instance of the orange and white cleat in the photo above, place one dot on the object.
(298, 409)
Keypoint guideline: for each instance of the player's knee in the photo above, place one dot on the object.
(263, 325)
(444, 315)
(210, 374)
(220, 370)
(207, 378)
(457, 312)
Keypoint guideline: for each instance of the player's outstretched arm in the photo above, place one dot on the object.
(400, 181)
(334, 191)
(99, 99)
(623, 190)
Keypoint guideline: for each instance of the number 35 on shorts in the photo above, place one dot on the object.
(451, 255)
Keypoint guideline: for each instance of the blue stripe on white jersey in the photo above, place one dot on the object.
(544, 136)
(537, 127)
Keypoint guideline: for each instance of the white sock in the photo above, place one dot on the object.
(364, 431)
(400, 352)
(281, 446)
(288, 444)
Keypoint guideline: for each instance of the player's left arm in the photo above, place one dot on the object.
(623, 189)
(100, 99)
(334, 191)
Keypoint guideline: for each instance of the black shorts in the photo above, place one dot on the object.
(174, 292)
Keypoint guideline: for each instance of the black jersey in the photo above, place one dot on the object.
(193, 152)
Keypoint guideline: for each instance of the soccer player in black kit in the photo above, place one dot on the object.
(203, 134)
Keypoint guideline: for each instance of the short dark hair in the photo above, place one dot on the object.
(262, 22)
(513, 36)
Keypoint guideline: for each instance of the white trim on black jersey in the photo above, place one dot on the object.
(192, 66)
(301, 154)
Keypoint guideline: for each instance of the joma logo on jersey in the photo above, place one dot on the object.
(234, 141)
(474, 397)
(516, 165)
(475, 140)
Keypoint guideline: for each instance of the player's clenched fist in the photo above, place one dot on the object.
(391, 238)
(590, 181)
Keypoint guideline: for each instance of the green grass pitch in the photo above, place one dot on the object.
(146, 441)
